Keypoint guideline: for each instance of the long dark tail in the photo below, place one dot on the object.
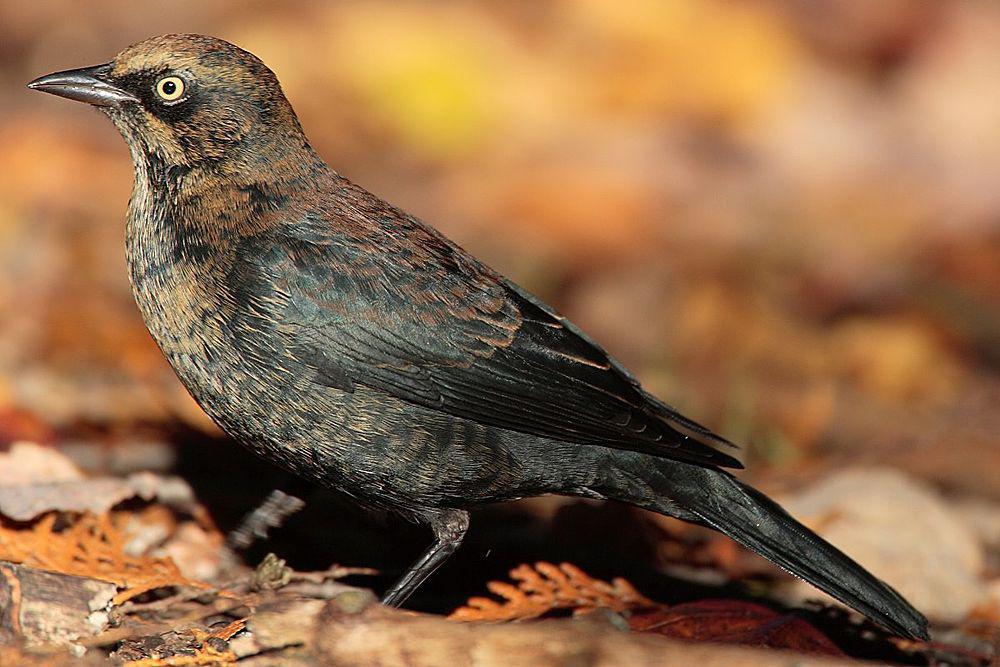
(719, 500)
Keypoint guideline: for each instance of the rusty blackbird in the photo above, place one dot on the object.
(342, 338)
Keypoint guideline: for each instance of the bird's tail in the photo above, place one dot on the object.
(719, 500)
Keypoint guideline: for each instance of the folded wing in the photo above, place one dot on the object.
(426, 323)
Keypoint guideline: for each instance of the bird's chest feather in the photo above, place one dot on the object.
(221, 340)
(181, 306)
(178, 273)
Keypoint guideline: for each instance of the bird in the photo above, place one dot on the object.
(354, 345)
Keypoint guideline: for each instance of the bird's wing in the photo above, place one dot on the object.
(396, 307)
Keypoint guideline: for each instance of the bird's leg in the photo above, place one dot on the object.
(449, 529)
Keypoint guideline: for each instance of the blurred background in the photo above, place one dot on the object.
(783, 215)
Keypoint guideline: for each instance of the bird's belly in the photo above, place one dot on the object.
(383, 452)
(195, 332)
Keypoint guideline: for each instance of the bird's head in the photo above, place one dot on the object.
(188, 100)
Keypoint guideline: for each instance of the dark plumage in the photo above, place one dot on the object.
(332, 333)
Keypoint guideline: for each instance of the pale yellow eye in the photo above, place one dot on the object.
(170, 88)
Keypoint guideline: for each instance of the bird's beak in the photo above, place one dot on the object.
(84, 85)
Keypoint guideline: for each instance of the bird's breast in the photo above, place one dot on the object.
(181, 305)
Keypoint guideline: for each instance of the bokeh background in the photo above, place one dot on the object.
(784, 215)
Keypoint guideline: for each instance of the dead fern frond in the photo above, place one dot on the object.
(544, 588)
(91, 546)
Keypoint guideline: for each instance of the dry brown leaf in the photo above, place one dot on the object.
(91, 546)
(545, 587)
(35, 479)
(28, 463)
(735, 622)
(98, 495)
(203, 654)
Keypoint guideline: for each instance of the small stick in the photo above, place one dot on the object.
(273, 512)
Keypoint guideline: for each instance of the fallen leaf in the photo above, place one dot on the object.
(97, 495)
(30, 463)
(737, 622)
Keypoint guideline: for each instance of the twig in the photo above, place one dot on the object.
(272, 513)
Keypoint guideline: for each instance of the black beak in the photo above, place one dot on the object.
(84, 85)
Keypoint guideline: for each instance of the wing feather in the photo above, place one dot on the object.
(426, 323)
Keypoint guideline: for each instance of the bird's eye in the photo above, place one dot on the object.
(170, 88)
